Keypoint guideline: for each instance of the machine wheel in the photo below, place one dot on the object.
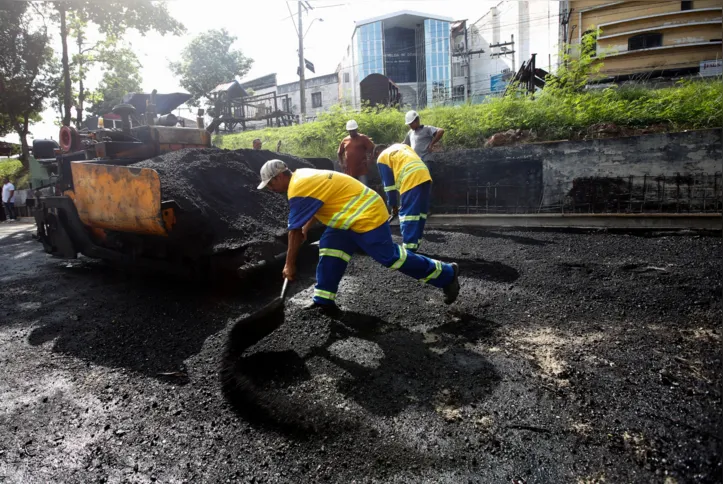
(69, 139)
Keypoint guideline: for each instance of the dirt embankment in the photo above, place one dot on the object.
(597, 131)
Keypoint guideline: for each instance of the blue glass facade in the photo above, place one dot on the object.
(436, 46)
(370, 48)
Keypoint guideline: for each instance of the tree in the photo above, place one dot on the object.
(28, 74)
(120, 77)
(113, 18)
(579, 68)
(207, 61)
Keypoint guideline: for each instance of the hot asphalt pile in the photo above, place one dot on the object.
(569, 357)
(216, 191)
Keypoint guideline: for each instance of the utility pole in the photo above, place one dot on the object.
(466, 55)
(302, 68)
(468, 87)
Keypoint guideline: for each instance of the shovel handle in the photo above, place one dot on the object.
(283, 288)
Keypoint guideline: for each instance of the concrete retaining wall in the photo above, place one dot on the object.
(542, 175)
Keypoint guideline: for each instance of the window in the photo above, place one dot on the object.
(457, 69)
(686, 5)
(370, 48)
(316, 100)
(285, 105)
(645, 41)
(437, 65)
(346, 78)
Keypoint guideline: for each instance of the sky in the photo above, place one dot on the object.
(266, 33)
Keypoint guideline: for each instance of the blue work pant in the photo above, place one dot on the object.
(336, 248)
(413, 214)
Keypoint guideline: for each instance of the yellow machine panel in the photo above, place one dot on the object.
(118, 198)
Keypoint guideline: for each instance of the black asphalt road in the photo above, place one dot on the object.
(581, 358)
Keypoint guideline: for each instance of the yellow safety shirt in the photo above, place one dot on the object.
(335, 199)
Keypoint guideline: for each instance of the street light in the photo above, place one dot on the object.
(312, 23)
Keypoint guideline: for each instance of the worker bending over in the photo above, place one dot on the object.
(406, 177)
(356, 217)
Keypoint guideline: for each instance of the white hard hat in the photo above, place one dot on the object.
(270, 169)
(410, 117)
(351, 125)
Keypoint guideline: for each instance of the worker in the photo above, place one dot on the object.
(421, 138)
(354, 152)
(8, 198)
(257, 144)
(408, 186)
(355, 217)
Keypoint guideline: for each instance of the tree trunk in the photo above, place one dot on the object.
(66, 66)
(81, 96)
(23, 134)
(81, 93)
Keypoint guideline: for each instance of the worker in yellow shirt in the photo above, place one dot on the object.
(408, 186)
(356, 217)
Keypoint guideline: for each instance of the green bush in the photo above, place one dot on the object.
(10, 168)
(557, 112)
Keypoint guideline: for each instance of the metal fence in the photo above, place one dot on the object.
(700, 193)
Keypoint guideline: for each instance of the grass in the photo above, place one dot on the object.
(553, 114)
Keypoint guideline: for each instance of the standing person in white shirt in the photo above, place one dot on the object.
(9, 198)
(420, 137)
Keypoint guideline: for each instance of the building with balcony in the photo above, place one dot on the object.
(412, 49)
(650, 39)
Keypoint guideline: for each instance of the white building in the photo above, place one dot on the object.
(508, 34)
(412, 49)
(320, 93)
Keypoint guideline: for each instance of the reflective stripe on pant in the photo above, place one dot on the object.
(413, 214)
(336, 247)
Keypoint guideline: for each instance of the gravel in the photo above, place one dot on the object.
(216, 191)
(569, 357)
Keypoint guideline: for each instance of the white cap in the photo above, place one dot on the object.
(351, 125)
(270, 169)
(410, 117)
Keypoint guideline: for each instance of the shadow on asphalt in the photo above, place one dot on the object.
(485, 233)
(143, 322)
(416, 370)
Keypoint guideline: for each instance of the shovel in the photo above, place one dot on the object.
(251, 329)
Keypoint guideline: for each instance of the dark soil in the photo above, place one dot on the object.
(585, 357)
(216, 191)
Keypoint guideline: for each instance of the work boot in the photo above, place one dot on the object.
(451, 290)
(331, 310)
